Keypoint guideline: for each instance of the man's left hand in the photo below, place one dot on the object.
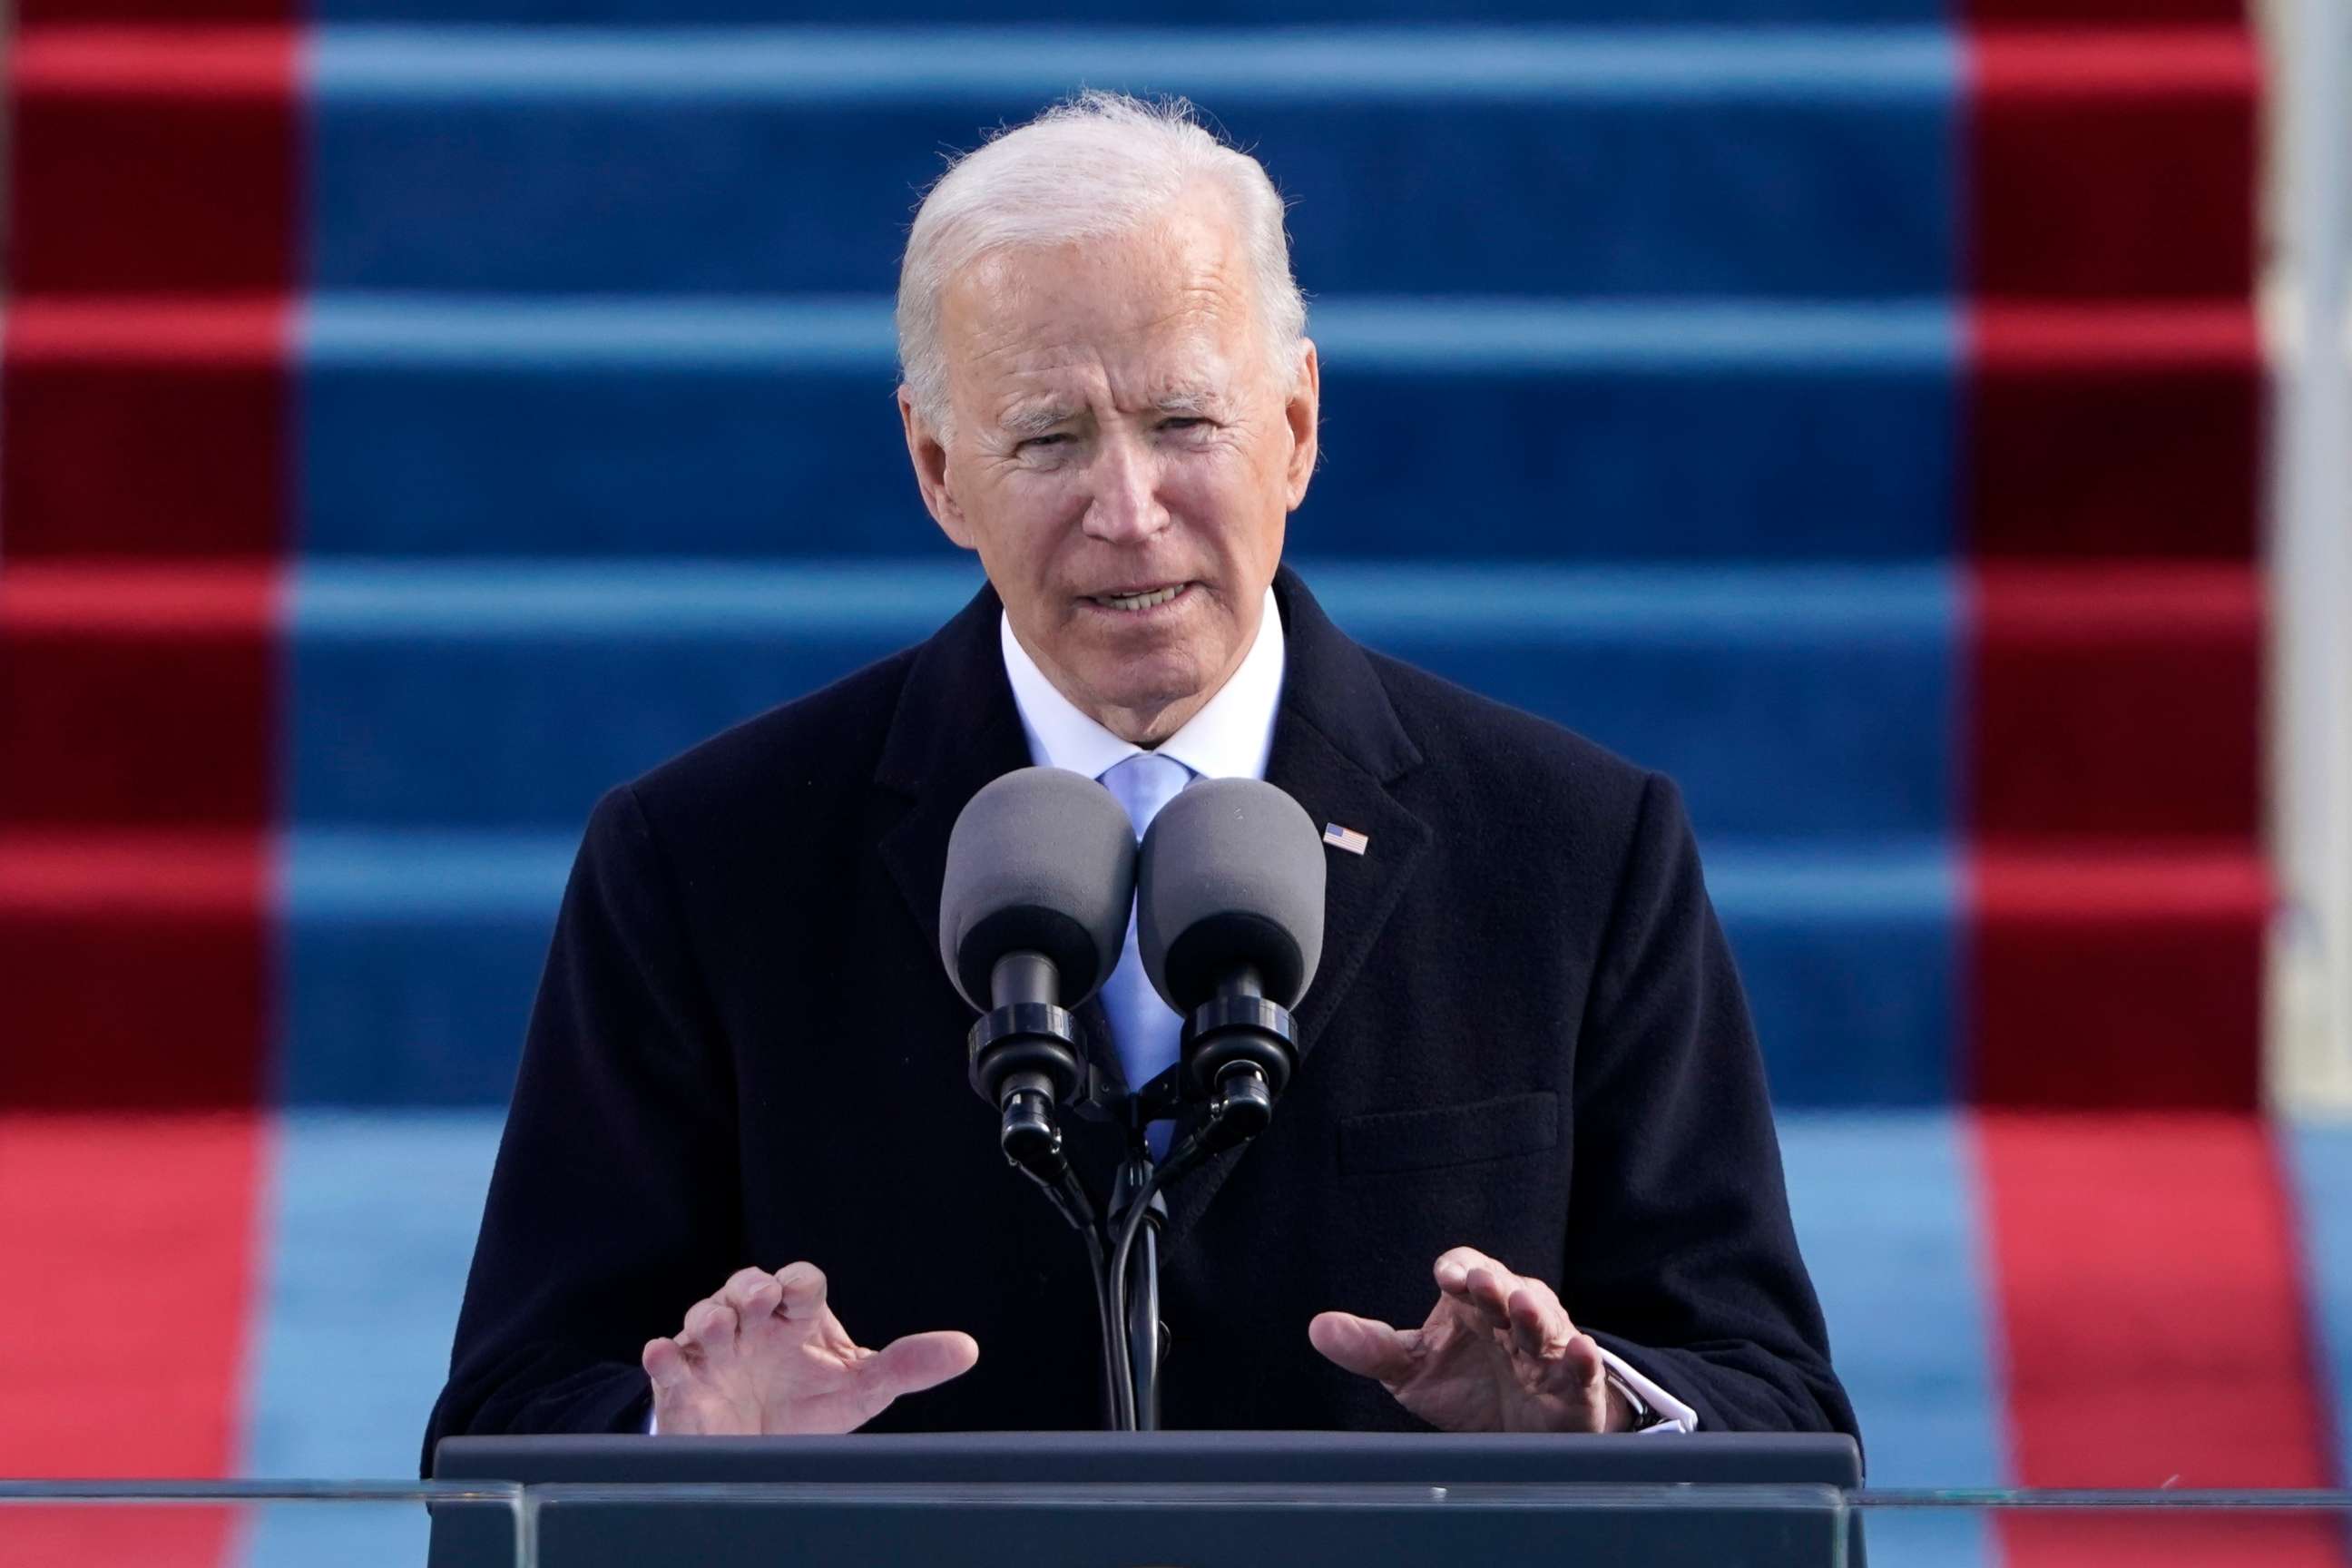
(1497, 1354)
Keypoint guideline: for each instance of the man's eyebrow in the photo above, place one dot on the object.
(1187, 402)
(1035, 420)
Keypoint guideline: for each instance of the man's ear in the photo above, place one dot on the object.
(1302, 413)
(929, 456)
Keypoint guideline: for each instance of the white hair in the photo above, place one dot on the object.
(1096, 166)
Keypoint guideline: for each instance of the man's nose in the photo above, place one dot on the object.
(1125, 506)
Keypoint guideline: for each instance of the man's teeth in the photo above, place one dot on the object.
(1140, 601)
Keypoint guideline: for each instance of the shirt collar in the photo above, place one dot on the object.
(1229, 738)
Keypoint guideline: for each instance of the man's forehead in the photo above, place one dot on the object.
(1193, 245)
(1164, 294)
(1038, 329)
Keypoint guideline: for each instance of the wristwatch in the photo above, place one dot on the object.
(1643, 1416)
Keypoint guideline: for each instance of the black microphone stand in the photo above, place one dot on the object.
(1136, 1342)
(1134, 1338)
(1237, 1056)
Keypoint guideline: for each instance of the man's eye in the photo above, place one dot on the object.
(1057, 438)
(1183, 422)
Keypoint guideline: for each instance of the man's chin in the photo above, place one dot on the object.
(1149, 711)
(1143, 670)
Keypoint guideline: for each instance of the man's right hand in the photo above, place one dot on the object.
(767, 1355)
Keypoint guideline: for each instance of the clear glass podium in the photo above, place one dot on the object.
(363, 1524)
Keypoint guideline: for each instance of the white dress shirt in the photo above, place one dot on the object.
(1230, 737)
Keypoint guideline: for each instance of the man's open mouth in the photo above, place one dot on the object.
(1141, 599)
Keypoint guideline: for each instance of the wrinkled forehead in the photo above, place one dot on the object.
(1160, 312)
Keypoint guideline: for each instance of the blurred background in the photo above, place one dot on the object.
(1909, 423)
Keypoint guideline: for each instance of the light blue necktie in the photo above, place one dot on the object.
(1144, 1028)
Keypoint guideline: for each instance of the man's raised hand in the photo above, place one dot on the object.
(1497, 1354)
(767, 1355)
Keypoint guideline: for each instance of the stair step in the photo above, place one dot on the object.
(2101, 977)
(724, 429)
(136, 969)
(412, 959)
(402, 966)
(2120, 700)
(1856, 962)
(530, 427)
(1791, 702)
(2071, 408)
(2072, 154)
(1787, 701)
(154, 158)
(139, 694)
(1646, 160)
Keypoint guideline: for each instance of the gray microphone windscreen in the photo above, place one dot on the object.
(1230, 874)
(1042, 860)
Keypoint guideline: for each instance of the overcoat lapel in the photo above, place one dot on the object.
(957, 729)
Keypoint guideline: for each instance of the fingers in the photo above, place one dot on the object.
(1470, 1279)
(750, 1296)
(1453, 1266)
(1525, 1310)
(803, 1287)
(664, 1364)
(1539, 1325)
(755, 1295)
(737, 1327)
(918, 1362)
(710, 1329)
(1365, 1346)
(1581, 1377)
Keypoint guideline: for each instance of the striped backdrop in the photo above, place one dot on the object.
(419, 414)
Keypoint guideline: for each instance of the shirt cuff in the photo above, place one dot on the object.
(1672, 1414)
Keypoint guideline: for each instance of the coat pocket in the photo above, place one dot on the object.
(1441, 1135)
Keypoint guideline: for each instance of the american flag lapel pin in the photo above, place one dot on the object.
(1346, 838)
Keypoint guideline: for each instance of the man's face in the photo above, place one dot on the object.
(1124, 454)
